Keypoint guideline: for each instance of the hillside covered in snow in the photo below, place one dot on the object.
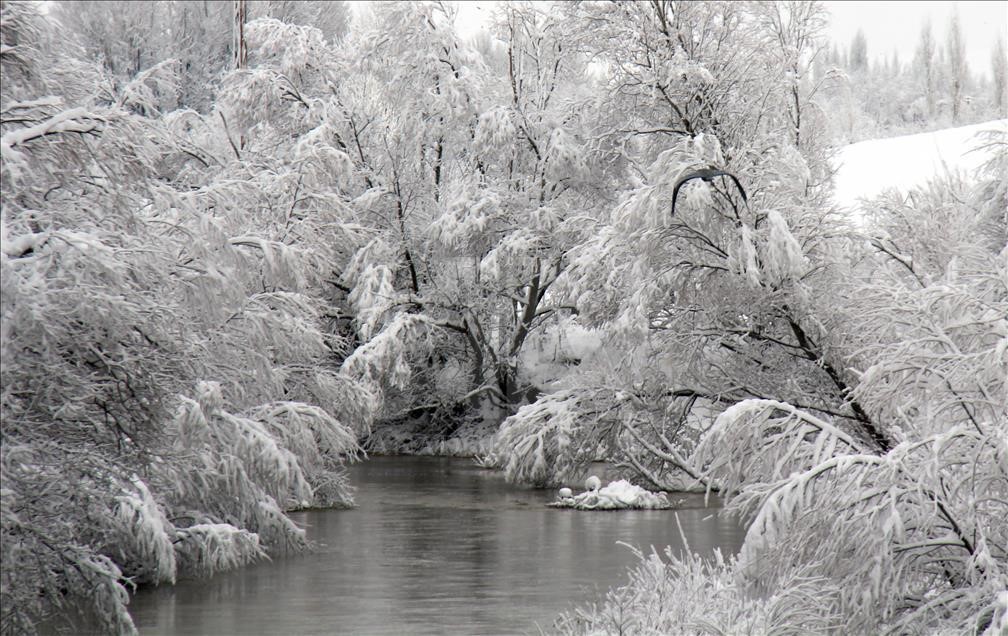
(867, 168)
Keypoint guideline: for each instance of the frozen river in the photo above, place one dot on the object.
(435, 546)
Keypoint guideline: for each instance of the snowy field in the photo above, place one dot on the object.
(867, 168)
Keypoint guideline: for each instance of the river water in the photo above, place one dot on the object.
(435, 546)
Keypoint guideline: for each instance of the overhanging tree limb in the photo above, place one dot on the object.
(708, 175)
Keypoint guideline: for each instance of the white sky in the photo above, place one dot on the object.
(888, 26)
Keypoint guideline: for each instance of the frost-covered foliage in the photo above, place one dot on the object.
(868, 91)
(205, 548)
(916, 534)
(688, 594)
(170, 384)
(931, 303)
(906, 537)
(465, 187)
(547, 442)
(707, 304)
(846, 389)
(205, 308)
(127, 38)
(553, 440)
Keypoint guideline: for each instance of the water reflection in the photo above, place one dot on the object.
(436, 546)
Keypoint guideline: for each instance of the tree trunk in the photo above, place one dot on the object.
(240, 48)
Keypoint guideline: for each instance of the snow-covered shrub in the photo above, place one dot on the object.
(688, 594)
(136, 262)
(914, 535)
(205, 548)
(900, 534)
(707, 304)
(546, 443)
(151, 536)
(930, 301)
(644, 431)
(278, 457)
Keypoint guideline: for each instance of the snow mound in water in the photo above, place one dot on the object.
(618, 495)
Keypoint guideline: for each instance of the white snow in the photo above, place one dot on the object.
(867, 168)
(75, 120)
(618, 495)
(18, 246)
(550, 352)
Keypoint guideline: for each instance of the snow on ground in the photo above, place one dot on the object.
(867, 168)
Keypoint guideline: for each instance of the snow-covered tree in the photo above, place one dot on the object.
(706, 302)
(126, 38)
(331, 18)
(924, 61)
(921, 521)
(875, 99)
(794, 33)
(216, 281)
(471, 184)
(165, 357)
(845, 534)
(999, 74)
(958, 74)
(858, 59)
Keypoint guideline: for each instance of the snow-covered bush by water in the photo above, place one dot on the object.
(169, 389)
(688, 594)
(899, 534)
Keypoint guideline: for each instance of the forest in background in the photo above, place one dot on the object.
(869, 96)
(240, 247)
